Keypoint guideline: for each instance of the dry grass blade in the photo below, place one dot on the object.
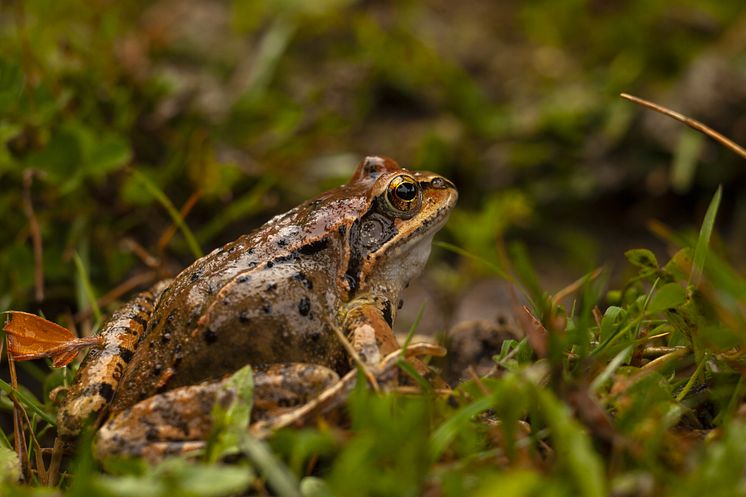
(692, 123)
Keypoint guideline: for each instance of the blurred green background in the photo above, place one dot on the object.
(250, 107)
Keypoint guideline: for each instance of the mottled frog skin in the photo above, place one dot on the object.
(271, 299)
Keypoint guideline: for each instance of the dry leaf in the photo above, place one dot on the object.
(33, 337)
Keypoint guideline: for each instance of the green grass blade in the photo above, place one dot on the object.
(161, 197)
(703, 242)
(282, 480)
(413, 328)
(446, 432)
(458, 250)
(28, 402)
(88, 288)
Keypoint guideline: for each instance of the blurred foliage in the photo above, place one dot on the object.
(517, 102)
(115, 115)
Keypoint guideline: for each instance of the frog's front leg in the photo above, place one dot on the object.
(372, 338)
(373, 342)
(180, 421)
(369, 333)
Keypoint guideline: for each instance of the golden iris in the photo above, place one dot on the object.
(404, 193)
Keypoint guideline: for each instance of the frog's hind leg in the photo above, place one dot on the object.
(336, 394)
(179, 422)
(99, 374)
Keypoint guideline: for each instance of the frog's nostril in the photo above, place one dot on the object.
(441, 183)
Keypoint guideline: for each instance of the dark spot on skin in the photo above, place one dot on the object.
(314, 247)
(270, 264)
(243, 317)
(271, 287)
(166, 337)
(251, 265)
(151, 435)
(387, 316)
(157, 370)
(282, 242)
(400, 304)
(314, 335)
(251, 251)
(286, 258)
(342, 230)
(154, 323)
(266, 308)
(232, 249)
(178, 356)
(210, 336)
(351, 282)
(226, 301)
(106, 391)
(243, 278)
(126, 354)
(139, 320)
(304, 279)
(196, 275)
(304, 306)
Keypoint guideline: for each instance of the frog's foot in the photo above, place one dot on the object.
(178, 422)
(335, 395)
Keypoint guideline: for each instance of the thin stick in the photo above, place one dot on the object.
(124, 288)
(28, 210)
(356, 358)
(18, 432)
(54, 464)
(692, 123)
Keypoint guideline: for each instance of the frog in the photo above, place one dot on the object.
(306, 300)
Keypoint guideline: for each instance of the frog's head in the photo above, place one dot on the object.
(390, 242)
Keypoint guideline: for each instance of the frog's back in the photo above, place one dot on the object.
(261, 299)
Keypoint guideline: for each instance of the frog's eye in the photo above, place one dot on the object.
(404, 194)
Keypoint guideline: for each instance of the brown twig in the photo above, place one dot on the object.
(149, 260)
(478, 381)
(121, 289)
(28, 210)
(41, 470)
(54, 464)
(692, 123)
(19, 440)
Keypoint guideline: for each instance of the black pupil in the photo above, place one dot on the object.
(406, 191)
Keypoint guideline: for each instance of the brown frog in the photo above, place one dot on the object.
(281, 299)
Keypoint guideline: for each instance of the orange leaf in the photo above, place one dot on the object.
(33, 337)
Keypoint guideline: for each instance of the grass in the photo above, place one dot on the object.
(113, 125)
(637, 397)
